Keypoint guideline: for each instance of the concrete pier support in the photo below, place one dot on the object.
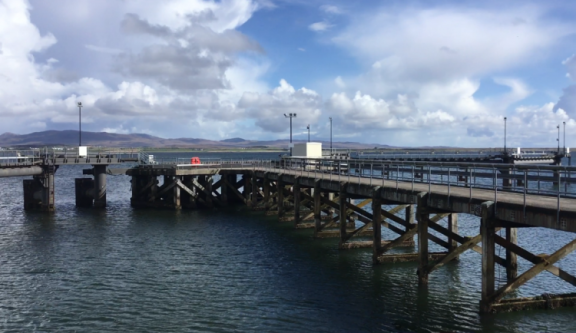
(39, 191)
(176, 195)
(84, 188)
(99, 192)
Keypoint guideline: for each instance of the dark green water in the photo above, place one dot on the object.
(222, 270)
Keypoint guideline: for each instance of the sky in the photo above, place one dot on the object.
(402, 73)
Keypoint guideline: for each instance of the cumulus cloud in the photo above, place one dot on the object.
(568, 100)
(330, 9)
(319, 26)
(268, 109)
(447, 43)
(180, 59)
(194, 57)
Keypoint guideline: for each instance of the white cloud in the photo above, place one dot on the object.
(568, 100)
(330, 9)
(268, 109)
(102, 49)
(319, 26)
(447, 43)
(42, 93)
(340, 82)
(570, 64)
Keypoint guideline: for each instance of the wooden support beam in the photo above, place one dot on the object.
(255, 191)
(531, 273)
(266, 190)
(317, 207)
(517, 250)
(467, 244)
(296, 193)
(280, 196)
(207, 191)
(342, 213)
(453, 227)
(234, 190)
(224, 189)
(150, 183)
(247, 189)
(488, 233)
(166, 188)
(409, 213)
(422, 217)
(377, 222)
(511, 258)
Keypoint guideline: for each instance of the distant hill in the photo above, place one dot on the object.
(137, 140)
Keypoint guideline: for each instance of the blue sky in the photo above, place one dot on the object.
(404, 73)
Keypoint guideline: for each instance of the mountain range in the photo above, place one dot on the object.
(70, 138)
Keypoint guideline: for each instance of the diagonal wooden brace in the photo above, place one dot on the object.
(535, 260)
(532, 272)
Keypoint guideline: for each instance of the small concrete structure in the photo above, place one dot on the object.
(82, 151)
(308, 149)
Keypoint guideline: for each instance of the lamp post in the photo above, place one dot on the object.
(79, 124)
(564, 137)
(330, 136)
(504, 135)
(290, 115)
(308, 128)
(558, 138)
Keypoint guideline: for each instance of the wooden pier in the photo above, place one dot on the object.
(331, 197)
(309, 197)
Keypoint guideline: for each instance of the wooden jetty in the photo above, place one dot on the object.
(331, 198)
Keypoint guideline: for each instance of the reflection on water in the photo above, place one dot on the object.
(121, 269)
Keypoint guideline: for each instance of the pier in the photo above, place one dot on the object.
(330, 197)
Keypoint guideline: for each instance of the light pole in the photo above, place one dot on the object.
(558, 139)
(308, 128)
(564, 137)
(504, 135)
(79, 124)
(330, 136)
(290, 115)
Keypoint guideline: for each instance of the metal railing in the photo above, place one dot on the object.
(14, 158)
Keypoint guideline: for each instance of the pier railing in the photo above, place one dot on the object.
(15, 158)
(557, 181)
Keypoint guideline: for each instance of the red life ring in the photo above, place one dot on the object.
(195, 160)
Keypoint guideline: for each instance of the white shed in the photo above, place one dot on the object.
(308, 149)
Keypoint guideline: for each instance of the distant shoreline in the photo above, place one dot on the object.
(185, 150)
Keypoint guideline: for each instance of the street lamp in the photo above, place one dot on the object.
(79, 124)
(330, 136)
(504, 135)
(564, 137)
(308, 128)
(290, 115)
(558, 139)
